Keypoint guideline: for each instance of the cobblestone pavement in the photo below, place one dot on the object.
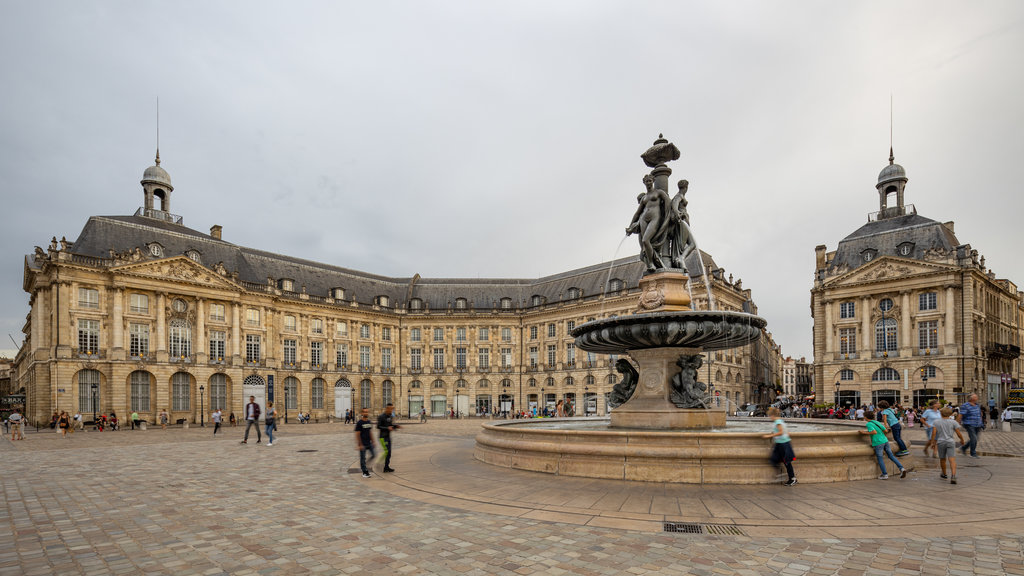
(183, 502)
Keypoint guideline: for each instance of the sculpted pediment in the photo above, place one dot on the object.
(177, 269)
(885, 269)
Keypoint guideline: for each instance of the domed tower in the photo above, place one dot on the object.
(156, 182)
(891, 180)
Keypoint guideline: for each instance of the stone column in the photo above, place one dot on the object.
(117, 346)
(199, 341)
(161, 327)
(907, 348)
(235, 336)
(67, 336)
(867, 350)
(949, 341)
(830, 352)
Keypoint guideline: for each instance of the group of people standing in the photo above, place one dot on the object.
(364, 438)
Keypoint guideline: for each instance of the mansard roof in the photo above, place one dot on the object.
(927, 239)
(104, 235)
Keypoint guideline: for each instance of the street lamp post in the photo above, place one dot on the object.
(202, 407)
(286, 401)
(543, 404)
(837, 395)
(95, 389)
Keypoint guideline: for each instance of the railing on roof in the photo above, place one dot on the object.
(158, 215)
(892, 211)
(91, 260)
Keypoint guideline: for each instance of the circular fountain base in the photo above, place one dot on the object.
(825, 451)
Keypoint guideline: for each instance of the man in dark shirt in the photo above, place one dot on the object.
(385, 424)
(364, 440)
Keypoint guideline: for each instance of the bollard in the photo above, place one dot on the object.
(142, 425)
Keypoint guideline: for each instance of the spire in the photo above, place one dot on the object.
(891, 157)
(158, 156)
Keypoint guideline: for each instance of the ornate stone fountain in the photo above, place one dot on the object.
(663, 426)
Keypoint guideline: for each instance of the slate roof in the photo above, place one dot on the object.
(102, 234)
(886, 235)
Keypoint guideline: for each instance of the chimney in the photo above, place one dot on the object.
(215, 231)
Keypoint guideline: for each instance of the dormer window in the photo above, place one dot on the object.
(574, 293)
(869, 254)
(286, 284)
(536, 300)
(338, 293)
(905, 249)
(614, 285)
(415, 304)
(460, 303)
(383, 301)
(156, 250)
(506, 303)
(194, 256)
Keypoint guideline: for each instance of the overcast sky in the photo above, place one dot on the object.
(502, 139)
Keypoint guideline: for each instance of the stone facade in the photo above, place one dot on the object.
(141, 313)
(903, 311)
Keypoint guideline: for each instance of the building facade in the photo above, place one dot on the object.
(903, 311)
(141, 313)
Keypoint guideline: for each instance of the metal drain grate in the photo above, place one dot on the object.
(716, 529)
(307, 450)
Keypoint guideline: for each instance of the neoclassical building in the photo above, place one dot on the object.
(141, 313)
(903, 311)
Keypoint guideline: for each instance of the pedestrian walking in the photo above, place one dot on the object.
(945, 427)
(364, 440)
(252, 418)
(216, 417)
(76, 423)
(164, 418)
(928, 419)
(782, 448)
(269, 420)
(970, 419)
(64, 423)
(893, 422)
(385, 425)
(16, 420)
(880, 443)
(232, 420)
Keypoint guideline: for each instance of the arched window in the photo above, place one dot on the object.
(612, 379)
(460, 383)
(139, 384)
(483, 384)
(846, 374)
(589, 380)
(506, 383)
(415, 384)
(885, 336)
(550, 382)
(531, 383)
(317, 393)
(388, 390)
(438, 383)
(738, 378)
(291, 393)
(885, 374)
(254, 380)
(180, 338)
(365, 389)
(718, 376)
(87, 401)
(218, 392)
(570, 381)
(181, 388)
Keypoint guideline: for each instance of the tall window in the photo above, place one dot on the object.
(289, 323)
(460, 358)
(533, 332)
(928, 335)
(506, 357)
(341, 355)
(88, 298)
(385, 358)
(438, 358)
(460, 334)
(138, 304)
(570, 353)
(388, 392)
(316, 354)
(438, 334)
(316, 326)
(416, 359)
(180, 339)
(928, 372)
(364, 394)
(483, 357)
(846, 309)
(291, 393)
(218, 392)
(86, 378)
(364, 356)
(570, 325)
(927, 301)
(506, 334)
(415, 334)
(364, 331)
(317, 393)
(342, 331)
(847, 340)
(217, 339)
(217, 312)
(533, 356)
(180, 388)
(551, 330)
(483, 334)
(88, 336)
(252, 317)
(138, 339)
(252, 347)
(551, 354)
(885, 335)
(289, 352)
(139, 385)
(385, 333)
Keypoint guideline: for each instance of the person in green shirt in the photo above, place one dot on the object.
(880, 443)
(782, 449)
(135, 420)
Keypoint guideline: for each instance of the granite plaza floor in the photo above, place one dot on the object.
(180, 501)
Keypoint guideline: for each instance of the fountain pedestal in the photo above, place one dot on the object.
(650, 408)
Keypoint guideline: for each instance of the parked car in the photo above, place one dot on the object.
(751, 411)
(1016, 413)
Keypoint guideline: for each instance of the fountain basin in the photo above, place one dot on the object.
(716, 330)
(826, 451)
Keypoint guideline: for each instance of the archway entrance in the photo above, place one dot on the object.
(342, 397)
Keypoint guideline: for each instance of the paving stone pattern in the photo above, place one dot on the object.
(182, 502)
